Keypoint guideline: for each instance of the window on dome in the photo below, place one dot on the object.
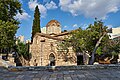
(53, 24)
(58, 25)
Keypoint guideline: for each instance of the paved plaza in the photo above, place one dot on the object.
(96, 74)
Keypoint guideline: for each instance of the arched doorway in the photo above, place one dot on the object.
(52, 59)
(80, 60)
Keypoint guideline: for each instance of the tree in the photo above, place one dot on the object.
(88, 40)
(23, 50)
(111, 48)
(9, 9)
(97, 32)
(36, 23)
(7, 36)
(8, 24)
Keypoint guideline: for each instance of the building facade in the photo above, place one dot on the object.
(44, 48)
(115, 33)
(21, 38)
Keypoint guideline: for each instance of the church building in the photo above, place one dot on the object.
(44, 48)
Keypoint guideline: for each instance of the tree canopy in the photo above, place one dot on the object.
(7, 34)
(22, 49)
(8, 23)
(9, 9)
(93, 40)
(36, 23)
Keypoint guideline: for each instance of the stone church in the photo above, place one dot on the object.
(44, 48)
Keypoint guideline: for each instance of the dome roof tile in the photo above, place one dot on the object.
(53, 21)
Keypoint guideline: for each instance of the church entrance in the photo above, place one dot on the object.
(52, 59)
(80, 60)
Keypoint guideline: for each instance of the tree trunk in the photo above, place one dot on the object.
(96, 47)
(112, 57)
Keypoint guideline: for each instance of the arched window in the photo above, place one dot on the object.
(53, 24)
(52, 59)
(58, 25)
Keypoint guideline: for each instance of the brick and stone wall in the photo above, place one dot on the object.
(43, 46)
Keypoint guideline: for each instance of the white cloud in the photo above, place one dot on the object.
(46, 1)
(65, 27)
(33, 3)
(43, 8)
(90, 8)
(21, 1)
(51, 5)
(84, 26)
(75, 26)
(109, 26)
(23, 16)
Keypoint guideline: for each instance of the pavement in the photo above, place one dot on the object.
(88, 74)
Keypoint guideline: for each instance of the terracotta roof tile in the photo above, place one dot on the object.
(53, 21)
(49, 36)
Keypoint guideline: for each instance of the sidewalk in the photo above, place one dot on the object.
(98, 74)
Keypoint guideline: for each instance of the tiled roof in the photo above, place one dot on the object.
(53, 21)
(49, 36)
(55, 36)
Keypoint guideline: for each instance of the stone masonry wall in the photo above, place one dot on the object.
(41, 51)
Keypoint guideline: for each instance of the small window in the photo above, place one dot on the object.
(53, 24)
(58, 25)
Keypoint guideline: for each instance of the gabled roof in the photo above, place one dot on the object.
(55, 36)
(49, 36)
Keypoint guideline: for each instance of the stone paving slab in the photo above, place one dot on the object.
(63, 68)
(91, 74)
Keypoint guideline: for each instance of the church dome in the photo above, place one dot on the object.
(53, 27)
(53, 23)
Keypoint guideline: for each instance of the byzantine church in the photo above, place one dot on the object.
(45, 52)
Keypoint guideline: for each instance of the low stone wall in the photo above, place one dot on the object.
(5, 63)
(59, 68)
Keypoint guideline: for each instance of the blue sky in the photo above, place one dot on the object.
(70, 13)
